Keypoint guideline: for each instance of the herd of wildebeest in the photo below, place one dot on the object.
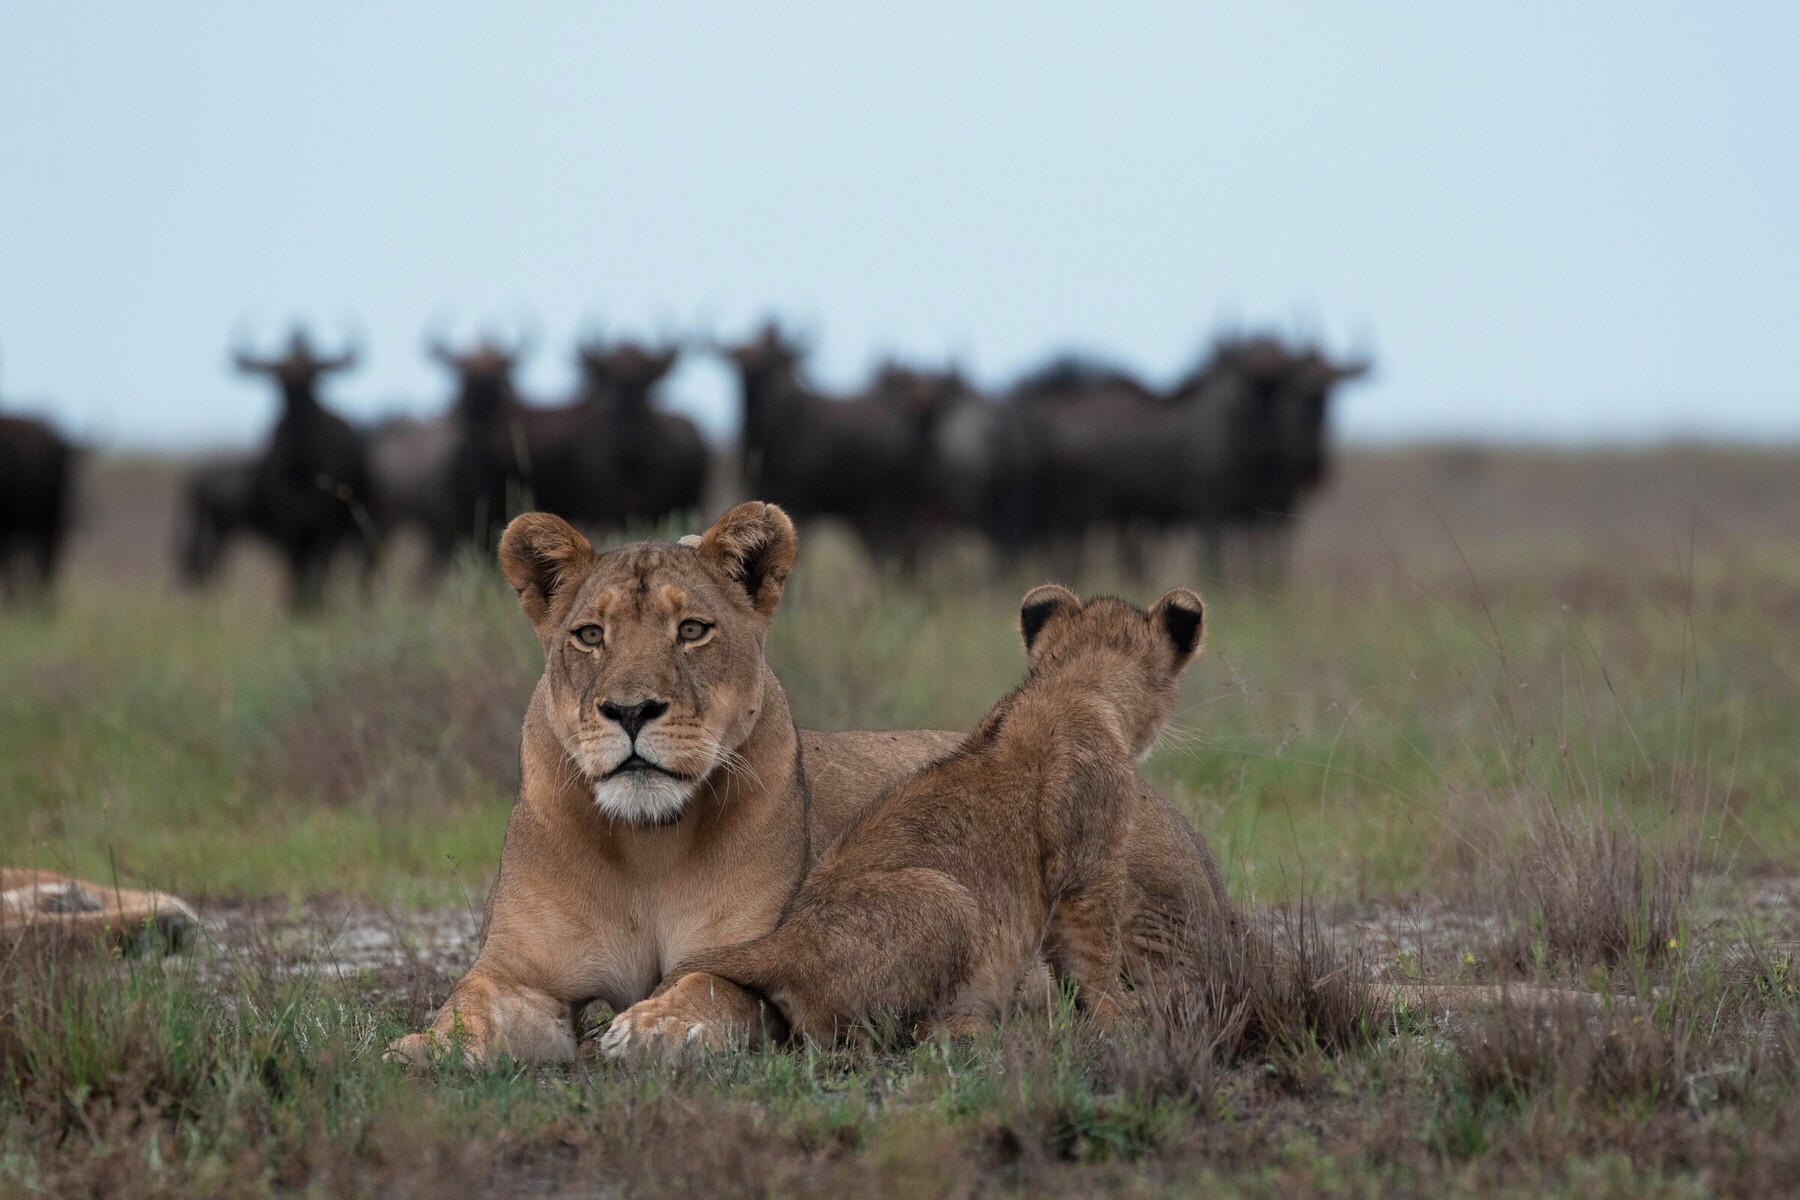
(1228, 453)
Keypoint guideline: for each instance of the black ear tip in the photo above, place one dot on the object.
(1033, 618)
(1040, 604)
(1183, 625)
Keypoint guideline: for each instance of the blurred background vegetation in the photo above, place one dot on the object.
(1466, 633)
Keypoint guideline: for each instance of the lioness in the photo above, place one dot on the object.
(934, 906)
(667, 803)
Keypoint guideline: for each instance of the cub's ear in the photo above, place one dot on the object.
(1182, 616)
(1039, 605)
(539, 554)
(754, 545)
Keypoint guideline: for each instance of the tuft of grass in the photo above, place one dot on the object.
(1594, 892)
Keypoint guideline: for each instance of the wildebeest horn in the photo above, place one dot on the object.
(667, 351)
(347, 357)
(243, 354)
(439, 350)
(590, 335)
(1362, 356)
(527, 339)
(668, 338)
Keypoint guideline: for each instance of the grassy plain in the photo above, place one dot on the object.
(1517, 716)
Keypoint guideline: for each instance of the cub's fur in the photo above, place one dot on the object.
(935, 906)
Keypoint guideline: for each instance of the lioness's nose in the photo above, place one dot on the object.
(633, 717)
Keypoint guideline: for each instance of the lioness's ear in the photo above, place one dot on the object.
(1182, 616)
(538, 554)
(1039, 605)
(754, 544)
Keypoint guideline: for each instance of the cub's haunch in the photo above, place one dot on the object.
(933, 908)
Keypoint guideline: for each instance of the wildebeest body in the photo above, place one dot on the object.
(37, 468)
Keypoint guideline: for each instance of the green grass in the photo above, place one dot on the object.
(139, 1078)
(1364, 742)
(1554, 696)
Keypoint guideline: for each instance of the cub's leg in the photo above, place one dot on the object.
(492, 1017)
(1084, 946)
(882, 946)
(957, 1026)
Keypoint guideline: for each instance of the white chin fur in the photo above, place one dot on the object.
(642, 797)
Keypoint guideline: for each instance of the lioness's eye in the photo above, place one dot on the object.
(692, 631)
(590, 635)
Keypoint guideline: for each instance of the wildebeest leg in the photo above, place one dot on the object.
(306, 567)
(1066, 554)
(1212, 552)
(368, 563)
(1270, 538)
(439, 550)
(8, 576)
(1138, 543)
(44, 553)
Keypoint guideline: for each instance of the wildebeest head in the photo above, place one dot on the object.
(1301, 411)
(298, 368)
(484, 374)
(918, 391)
(625, 369)
(1282, 393)
(770, 352)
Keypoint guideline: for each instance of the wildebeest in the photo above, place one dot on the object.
(862, 459)
(1231, 448)
(309, 491)
(650, 463)
(605, 460)
(512, 456)
(493, 462)
(37, 478)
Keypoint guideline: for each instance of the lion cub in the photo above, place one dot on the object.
(934, 906)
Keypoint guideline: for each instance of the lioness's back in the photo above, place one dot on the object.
(848, 771)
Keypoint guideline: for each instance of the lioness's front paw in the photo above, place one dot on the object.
(660, 1027)
(428, 1049)
(413, 1050)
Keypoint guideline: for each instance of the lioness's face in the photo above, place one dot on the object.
(653, 654)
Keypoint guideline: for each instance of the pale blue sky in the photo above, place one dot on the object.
(1549, 221)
